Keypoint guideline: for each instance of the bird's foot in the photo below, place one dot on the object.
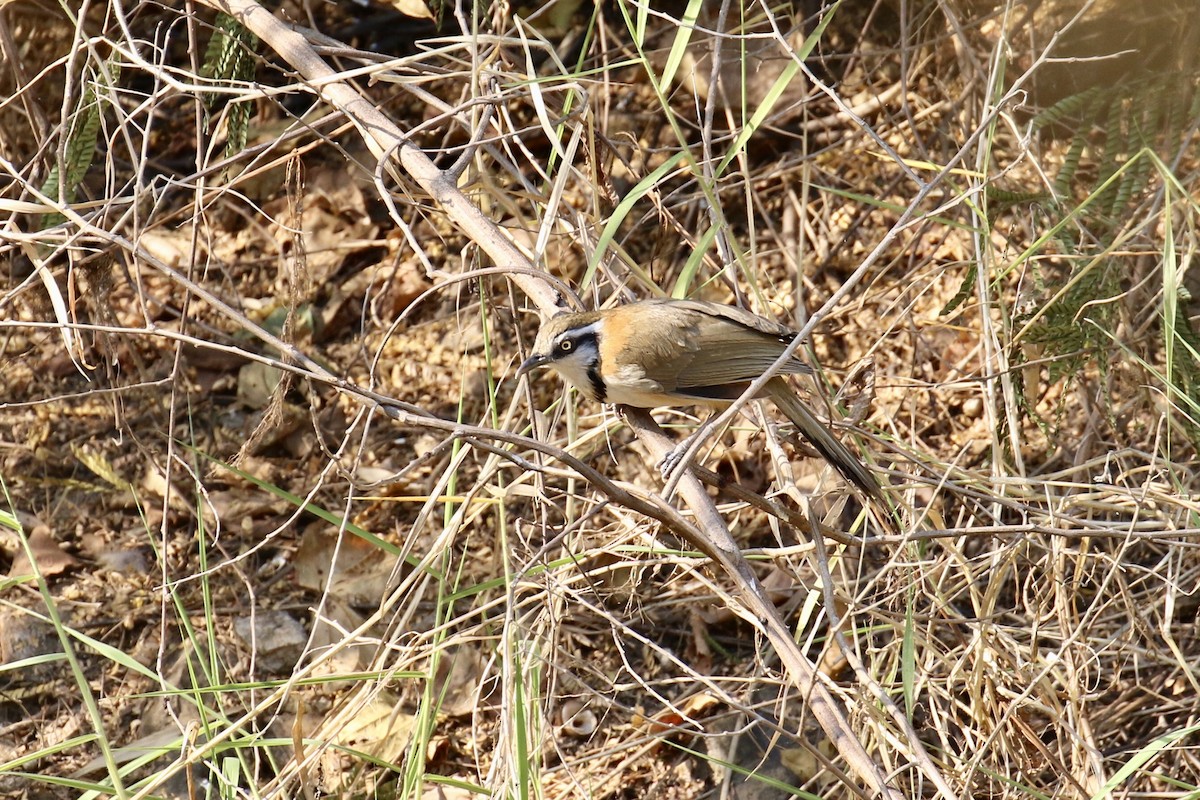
(672, 459)
(678, 454)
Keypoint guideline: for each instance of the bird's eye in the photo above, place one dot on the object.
(565, 346)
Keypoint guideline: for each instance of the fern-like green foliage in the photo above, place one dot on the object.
(1113, 124)
(1076, 326)
(80, 147)
(1109, 126)
(1185, 371)
(229, 59)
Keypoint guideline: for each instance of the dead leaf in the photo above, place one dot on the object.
(51, 559)
(412, 8)
(361, 573)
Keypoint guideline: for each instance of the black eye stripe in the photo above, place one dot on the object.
(573, 340)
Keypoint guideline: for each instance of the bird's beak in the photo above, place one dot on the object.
(533, 362)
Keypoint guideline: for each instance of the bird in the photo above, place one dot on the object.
(667, 352)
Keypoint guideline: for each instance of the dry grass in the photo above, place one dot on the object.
(294, 528)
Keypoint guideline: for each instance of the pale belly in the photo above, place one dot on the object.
(641, 398)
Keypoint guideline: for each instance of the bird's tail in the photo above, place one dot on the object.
(823, 440)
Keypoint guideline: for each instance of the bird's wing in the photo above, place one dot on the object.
(732, 346)
(736, 315)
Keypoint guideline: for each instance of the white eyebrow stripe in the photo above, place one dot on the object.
(579, 333)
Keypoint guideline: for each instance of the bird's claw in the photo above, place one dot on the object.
(671, 460)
